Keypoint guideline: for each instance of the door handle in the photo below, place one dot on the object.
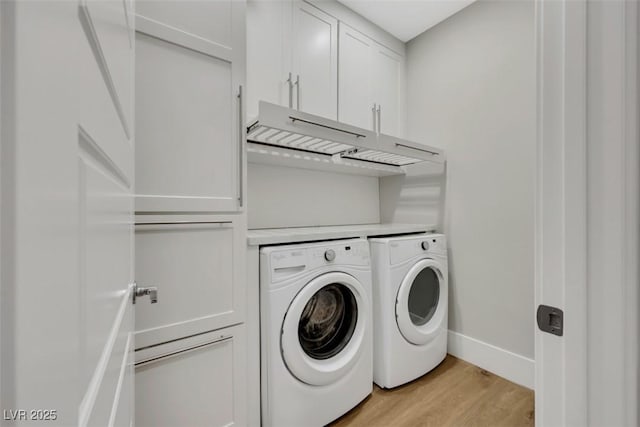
(297, 84)
(151, 291)
(379, 117)
(290, 84)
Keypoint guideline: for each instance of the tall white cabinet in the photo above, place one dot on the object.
(190, 219)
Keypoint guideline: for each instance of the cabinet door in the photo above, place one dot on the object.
(388, 83)
(209, 20)
(315, 60)
(189, 124)
(268, 62)
(197, 381)
(356, 92)
(199, 270)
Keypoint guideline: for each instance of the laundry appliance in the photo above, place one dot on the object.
(410, 297)
(316, 331)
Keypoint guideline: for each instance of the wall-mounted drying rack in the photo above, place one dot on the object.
(287, 137)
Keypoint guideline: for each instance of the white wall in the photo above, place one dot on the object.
(416, 197)
(471, 82)
(291, 197)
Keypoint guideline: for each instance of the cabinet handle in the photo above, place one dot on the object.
(220, 340)
(240, 149)
(290, 84)
(297, 83)
(379, 117)
(375, 120)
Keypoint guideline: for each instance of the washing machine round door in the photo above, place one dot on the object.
(324, 328)
(421, 302)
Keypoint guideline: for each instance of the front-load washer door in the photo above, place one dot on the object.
(421, 302)
(324, 328)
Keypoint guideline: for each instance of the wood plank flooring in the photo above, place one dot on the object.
(456, 394)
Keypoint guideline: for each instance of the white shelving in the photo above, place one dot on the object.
(274, 236)
(278, 156)
(290, 135)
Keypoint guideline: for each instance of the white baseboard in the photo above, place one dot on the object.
(511, 366)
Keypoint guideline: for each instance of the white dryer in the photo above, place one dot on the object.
(410, 297)
(316, 331)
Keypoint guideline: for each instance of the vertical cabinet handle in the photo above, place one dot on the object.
(240, 149)
(290, 84)
(379, 109)
(375, 120)
(297, 83)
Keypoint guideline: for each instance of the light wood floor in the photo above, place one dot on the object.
(456, 394)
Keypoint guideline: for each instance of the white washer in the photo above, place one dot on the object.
(410, 297)
(316, 331)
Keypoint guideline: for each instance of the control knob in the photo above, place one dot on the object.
(425, 245)
(330, 255)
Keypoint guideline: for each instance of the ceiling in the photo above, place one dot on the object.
(405, 19)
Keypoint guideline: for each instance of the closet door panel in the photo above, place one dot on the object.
(355, 92)
(315, 60)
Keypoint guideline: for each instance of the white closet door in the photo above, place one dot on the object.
(388, 66)
(315, 60)
(67, 210)
(356, 91)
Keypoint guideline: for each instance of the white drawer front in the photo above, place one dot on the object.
(193, 266)
(193, 382)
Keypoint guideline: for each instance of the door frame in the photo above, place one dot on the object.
(572, 37)
(7, 207)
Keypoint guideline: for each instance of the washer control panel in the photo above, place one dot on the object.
(290, 260)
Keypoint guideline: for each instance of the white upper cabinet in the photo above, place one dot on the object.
(388, 69)
(268, 62)
(305, 58)
(292, 57)
(189, 121)
(356, 91)
(371, 83)
(315, 61)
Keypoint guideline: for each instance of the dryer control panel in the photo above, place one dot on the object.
(428, 244)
